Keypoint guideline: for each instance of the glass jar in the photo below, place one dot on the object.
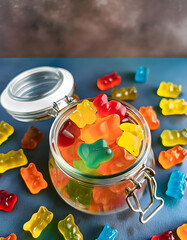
(103, 194)
(44, 92)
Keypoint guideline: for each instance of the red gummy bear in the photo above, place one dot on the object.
(108, 81)
(105, 108)
(168, 235)
(68, 134)
(7, 201)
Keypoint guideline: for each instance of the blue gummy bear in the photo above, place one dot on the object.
(108, 233)
(141, 74)
(176, 184)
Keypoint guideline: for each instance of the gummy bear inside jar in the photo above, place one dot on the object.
(100, 139)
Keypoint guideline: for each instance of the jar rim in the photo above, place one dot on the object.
(29, 96)
(99, 179)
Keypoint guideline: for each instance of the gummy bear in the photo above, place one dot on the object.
(176, 184)
(172, 157)
(121, 160)
(168, 90)
(79, 193)
(108, 233)
(105, 108)
(121, 188)
(182, 232)
(31, 138)
(33, 178)
(85, 114)
(38, 222)
(125, 94)
(12, 159)
(174, 137)
(108, 81)
(95, 207)
(131, 138)
(107, 128)
(5, 131)
(118, 202)
(80, 165)
(141, 74)
(58, 178)
(68, 133)
(172, 107)
(12, 236)
(7, 201)
(109, 199)
(96, 153)
(69, 229)
(150, 116)
(70, 153)
(168, 235)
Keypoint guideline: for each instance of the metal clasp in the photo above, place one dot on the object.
(145, 174)
(60, 104)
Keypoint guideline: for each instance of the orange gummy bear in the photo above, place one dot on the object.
(107, 128)
(70, 153)
(12, 236)
(58, 178)
(121, 160)
(172, 157)
(120, 188)
(114, 203)
(102, 195)
(95, 207)
(33, 178)
(182, 231)
(109, 199)
(64, 193)
(150, 116)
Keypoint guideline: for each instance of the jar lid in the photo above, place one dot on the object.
(37, 93)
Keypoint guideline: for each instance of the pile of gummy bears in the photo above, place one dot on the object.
(98, 151)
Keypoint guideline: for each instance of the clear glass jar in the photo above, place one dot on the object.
(45, 92)
(103, 194)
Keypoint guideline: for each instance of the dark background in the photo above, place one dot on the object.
(87, 28)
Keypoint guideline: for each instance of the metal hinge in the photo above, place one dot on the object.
(145, 174)
(60, 104)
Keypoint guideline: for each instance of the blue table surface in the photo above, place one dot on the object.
(86, 71)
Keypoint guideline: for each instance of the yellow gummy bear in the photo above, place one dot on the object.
(85, 114)
(12, 159)
(171, 107)
(5, 131)
(131, 138)
(174, 137)
(168, 90)
(69, 229)
(38, 222)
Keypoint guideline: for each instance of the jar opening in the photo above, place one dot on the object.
(35, 84)
(133, 114)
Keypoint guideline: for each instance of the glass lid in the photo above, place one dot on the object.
(38, 93)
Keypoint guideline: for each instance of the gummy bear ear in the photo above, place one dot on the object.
(163, 102)
(100, 100)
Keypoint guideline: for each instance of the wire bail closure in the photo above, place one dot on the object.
(59, 105)
(145, 174)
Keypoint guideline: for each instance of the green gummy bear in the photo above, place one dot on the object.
(79, 192)
(96, 153)
(80, 165)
